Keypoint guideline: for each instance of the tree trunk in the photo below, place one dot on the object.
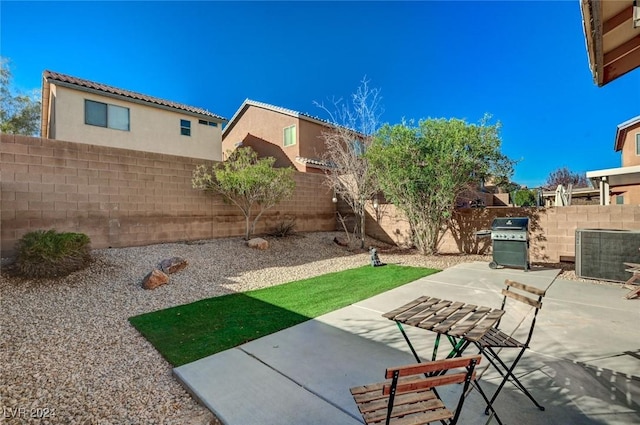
(362, 232)
(247, 233)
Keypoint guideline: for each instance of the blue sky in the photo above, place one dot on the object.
(523, 62)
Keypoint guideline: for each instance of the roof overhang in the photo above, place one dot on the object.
(612, 34)
(581, 192)
(623, 176)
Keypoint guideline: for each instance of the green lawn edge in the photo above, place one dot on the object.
(189, 332)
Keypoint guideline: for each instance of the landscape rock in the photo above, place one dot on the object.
(155, 279)
(173, 264)
(258, 243)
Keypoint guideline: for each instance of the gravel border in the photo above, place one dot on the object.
(67, 345)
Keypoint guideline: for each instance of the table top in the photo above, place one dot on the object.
(451, 318)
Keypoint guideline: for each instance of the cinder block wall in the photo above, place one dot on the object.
(552, 229)
(123, 198)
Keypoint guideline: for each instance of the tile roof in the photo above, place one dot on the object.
(55, 77)
(315, 163)
(286, 111)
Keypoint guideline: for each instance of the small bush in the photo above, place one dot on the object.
(284, 228)
(51, 254)
(525, 198)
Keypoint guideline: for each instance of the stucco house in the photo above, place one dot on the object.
(293, 138)
(83, 111)
(622, 185)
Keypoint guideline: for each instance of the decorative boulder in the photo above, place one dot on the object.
(155, 279)
(258, 243)
(173, 265)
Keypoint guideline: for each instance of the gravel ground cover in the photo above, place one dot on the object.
(68, 355)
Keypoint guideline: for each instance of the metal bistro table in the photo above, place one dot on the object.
(461, 323)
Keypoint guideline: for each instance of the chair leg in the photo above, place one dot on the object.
(476, 384)
(509, 374)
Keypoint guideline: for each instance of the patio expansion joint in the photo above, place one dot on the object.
(320, 396)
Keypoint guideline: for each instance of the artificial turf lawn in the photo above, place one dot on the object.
(190, 332)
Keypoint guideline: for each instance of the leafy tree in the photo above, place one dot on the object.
(564, 176)
(248, 182)
(19, 112)
(525, 198)
(346, 141)
(423, 169)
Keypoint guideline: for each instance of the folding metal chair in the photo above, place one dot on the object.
(496, 339)
(412, 399)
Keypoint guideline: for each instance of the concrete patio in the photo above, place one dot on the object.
(583, 365)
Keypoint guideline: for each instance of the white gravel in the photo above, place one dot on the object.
(68, 349)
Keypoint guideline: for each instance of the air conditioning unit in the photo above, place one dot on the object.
(601, 253)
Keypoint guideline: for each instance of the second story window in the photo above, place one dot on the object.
(290, 136)
(209, 123)
(106, 115)
(185, 127)
(638, 144)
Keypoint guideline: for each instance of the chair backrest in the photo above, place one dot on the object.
(529, 295)
(435, 372)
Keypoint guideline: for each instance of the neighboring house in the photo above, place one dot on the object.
(622, 185)
(293, 138)
(83, 111)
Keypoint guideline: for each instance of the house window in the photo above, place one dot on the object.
(209, 123)
(619, 199)
(290, 135)
(638, 144)
(106, 115)
(185, 127)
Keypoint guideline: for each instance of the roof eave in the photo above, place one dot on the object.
(44, 108)
(592, 26)
(138, 101)
(285, 111)
(621, 132)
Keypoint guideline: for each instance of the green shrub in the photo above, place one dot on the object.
(525, 198)
(51, 254)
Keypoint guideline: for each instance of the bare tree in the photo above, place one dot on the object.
(564, 176)
(354, 125)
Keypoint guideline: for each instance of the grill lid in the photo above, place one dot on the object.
(510, 223)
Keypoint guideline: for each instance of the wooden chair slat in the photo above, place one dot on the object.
(438, 365)
(424, 418)
(522, 298)
(426, 383)
(531, 289)
(403, 410)
(400, 399)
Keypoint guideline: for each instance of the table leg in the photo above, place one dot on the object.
(406, 338)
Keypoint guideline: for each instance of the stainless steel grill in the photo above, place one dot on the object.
(510, 237)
